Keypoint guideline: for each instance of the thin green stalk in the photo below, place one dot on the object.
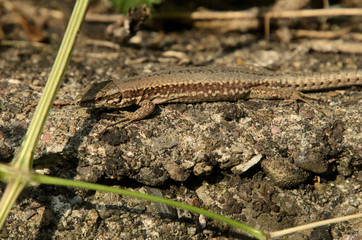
(11, 193)
(23, 160)
(20, 167)
(92, 186)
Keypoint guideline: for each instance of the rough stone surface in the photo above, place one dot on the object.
(309, 167)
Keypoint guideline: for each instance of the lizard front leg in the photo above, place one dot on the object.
(146, 108)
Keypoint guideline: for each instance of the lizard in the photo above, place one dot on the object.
(202, 84)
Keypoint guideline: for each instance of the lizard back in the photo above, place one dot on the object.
(196, 84)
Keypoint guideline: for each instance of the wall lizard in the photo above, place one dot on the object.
(199, 84)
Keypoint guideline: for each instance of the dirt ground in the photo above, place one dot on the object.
(192, 153)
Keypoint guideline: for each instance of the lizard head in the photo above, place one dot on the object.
(102, 94)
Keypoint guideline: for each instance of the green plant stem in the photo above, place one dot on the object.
(11, 193)
(92, 186)
(18, 172)
(24, 159)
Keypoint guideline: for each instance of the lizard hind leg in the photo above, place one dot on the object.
(296, 95)
(262, 92)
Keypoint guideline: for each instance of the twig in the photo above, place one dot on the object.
(355, 36)
(308, 13)
(21, 43)
(104, 18)
(257, 14)
(320, 34)
(334, 46)
(212, 15)
(242, 25)
(313, 225)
